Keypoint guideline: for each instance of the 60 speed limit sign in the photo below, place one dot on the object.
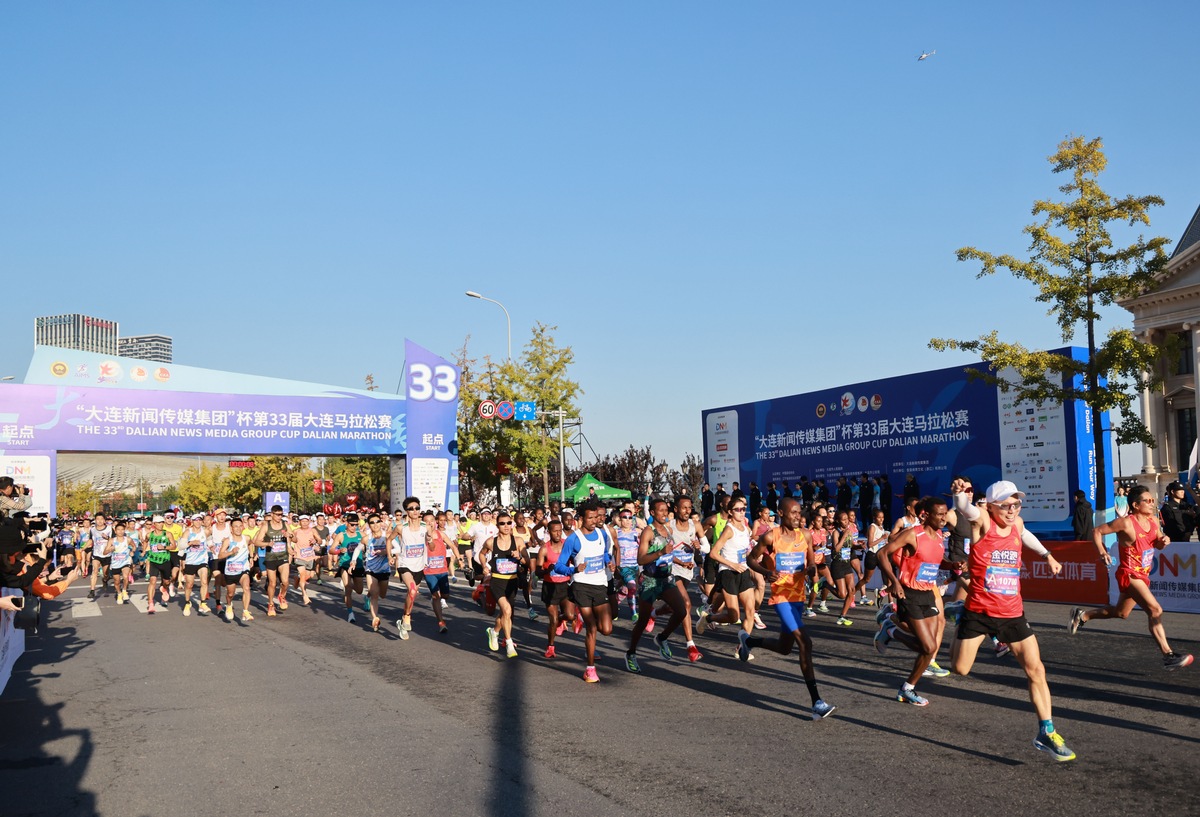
(487, 409)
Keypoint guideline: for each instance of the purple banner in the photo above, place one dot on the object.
(68, 418)
(431, 387)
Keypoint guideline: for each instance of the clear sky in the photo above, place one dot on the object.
(715, 202)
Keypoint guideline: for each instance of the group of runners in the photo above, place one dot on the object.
(959, 560)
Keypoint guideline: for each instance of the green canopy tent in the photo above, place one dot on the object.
(579, 491)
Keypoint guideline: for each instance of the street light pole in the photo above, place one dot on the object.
(473, 294)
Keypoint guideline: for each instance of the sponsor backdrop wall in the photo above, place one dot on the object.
(933, 425)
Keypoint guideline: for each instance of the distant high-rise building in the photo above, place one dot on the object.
(75, 331)
(146, 347)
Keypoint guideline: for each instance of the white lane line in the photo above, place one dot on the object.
(84, 608)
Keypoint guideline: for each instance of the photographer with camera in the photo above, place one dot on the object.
(14, 497)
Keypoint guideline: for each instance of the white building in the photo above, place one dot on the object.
(1172, 309)
(76, 331)
(146, 347)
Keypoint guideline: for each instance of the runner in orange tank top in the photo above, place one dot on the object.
(993, 606)
(1138, 537)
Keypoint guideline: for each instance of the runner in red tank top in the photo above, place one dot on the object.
(922, 555)
(1138, 536)
(993, 606)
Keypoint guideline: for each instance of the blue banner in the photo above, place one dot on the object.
(933, 425)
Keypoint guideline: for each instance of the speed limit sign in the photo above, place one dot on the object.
(487, 409)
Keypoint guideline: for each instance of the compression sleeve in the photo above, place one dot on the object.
(565, 566)
(1030, 541)
(963, 505)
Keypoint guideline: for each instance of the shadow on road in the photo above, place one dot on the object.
(509, 766)
(42, 764)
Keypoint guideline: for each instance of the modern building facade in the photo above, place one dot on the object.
(146, 347)
(1172, 309)
(76, 331)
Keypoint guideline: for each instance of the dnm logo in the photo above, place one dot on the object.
(721, 427)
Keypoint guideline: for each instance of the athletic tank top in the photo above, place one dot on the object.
(435, 558)
(590, 560)
(660, 568)
(350, 541)
(790, 558)
(410, 549)
(627, 544)
(960, 534)
(820, 538)
(1138, 558)
(503, 563)
(217, 538)
(375, 556)
(919, 570)
(238, 559)
(121, 551)
(735, 548)
(306, 543)
(195, 548)
(552, 552)
(685, 543)
(276, 541)
(157, 544)
(995, 570)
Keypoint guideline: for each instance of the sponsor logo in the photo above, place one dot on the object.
(138, 373)
(847, 403)
(820, 410)
(110, 371)
(82, 370)
(722, 446)
(876, 402)
(162, 374)
(863, 403)
(59, 369)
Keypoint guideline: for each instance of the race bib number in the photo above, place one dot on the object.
(232, 568)
(414, 551)
(789, 562)
(506, 567)
(845, 554)
(927, 572)
(593, 564)
(307, 552)
(278, 547)
(436, 563)
(740, 555)
(685, 556)
(1003, 581)
(1147, 559)
(967, 546)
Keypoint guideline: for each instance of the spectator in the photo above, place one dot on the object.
(844, 495)
(707, 502)
(886, 496)
(720, 495)
(1177, 515)
(822, 491)
(1082, 521)
(756, 501)
(911, 489)
(772, 498)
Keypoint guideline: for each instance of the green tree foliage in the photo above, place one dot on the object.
(202, 487)
(246, 486)
(77, 498)
(1077, 270)
(490, 448)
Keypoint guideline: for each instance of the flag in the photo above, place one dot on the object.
(322, 486)
(1192, 462)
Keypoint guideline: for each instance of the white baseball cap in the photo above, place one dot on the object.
(997, 492)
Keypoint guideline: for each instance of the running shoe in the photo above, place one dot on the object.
(229, 614)
(578, 625)
(367, 605)
(511, 651)
(562, 628)
(493, 640)
(649, 625)
(375, 622)
(402, 629)
(1076, 620)
(910, 696)
(882, 639)
(934, 671)
(705, 610)
(635, 616)
(92, 594)
(549, 653)
(1173, 661)
(664, 648)
(533, 614)
(150, 609)
(201, 608)
(822, 710)
(844, 622)
(246, 616)
(350, 616)
(694, 654)
(187, 608)
(443, 629)
(810, 612)
(283, 605)
(172, 591)
(591, 676)
(165, 595)
(407, 622)
(823, 607)
(758, 622)
(701, 621)
(631, 663)
(1054, 745)
(867, 602)
(883, 615)
(743, 649)
(270, 612)
(1002, 649)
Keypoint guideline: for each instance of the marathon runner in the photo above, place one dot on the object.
(410, 549)
(275, 536)
(101, 552)
(378, 564)
(440, 559)
(236, 553)
(351, 568)
(195, 564)
(1138, 537)
(160, 546)
(555, 588)
(584, 557)
(501, 557)
(121, 548)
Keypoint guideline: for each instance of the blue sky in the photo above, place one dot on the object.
(715, 202)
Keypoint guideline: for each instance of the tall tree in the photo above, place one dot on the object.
(202, 486)
(1077, 270)
(77, 498)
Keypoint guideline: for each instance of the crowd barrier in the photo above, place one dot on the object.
(1085, 581)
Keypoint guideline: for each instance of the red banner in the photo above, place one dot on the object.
(1083, 580)
(322, 486)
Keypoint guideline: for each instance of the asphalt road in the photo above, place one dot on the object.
(114, 712)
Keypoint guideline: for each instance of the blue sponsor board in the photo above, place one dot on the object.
(933, 425)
